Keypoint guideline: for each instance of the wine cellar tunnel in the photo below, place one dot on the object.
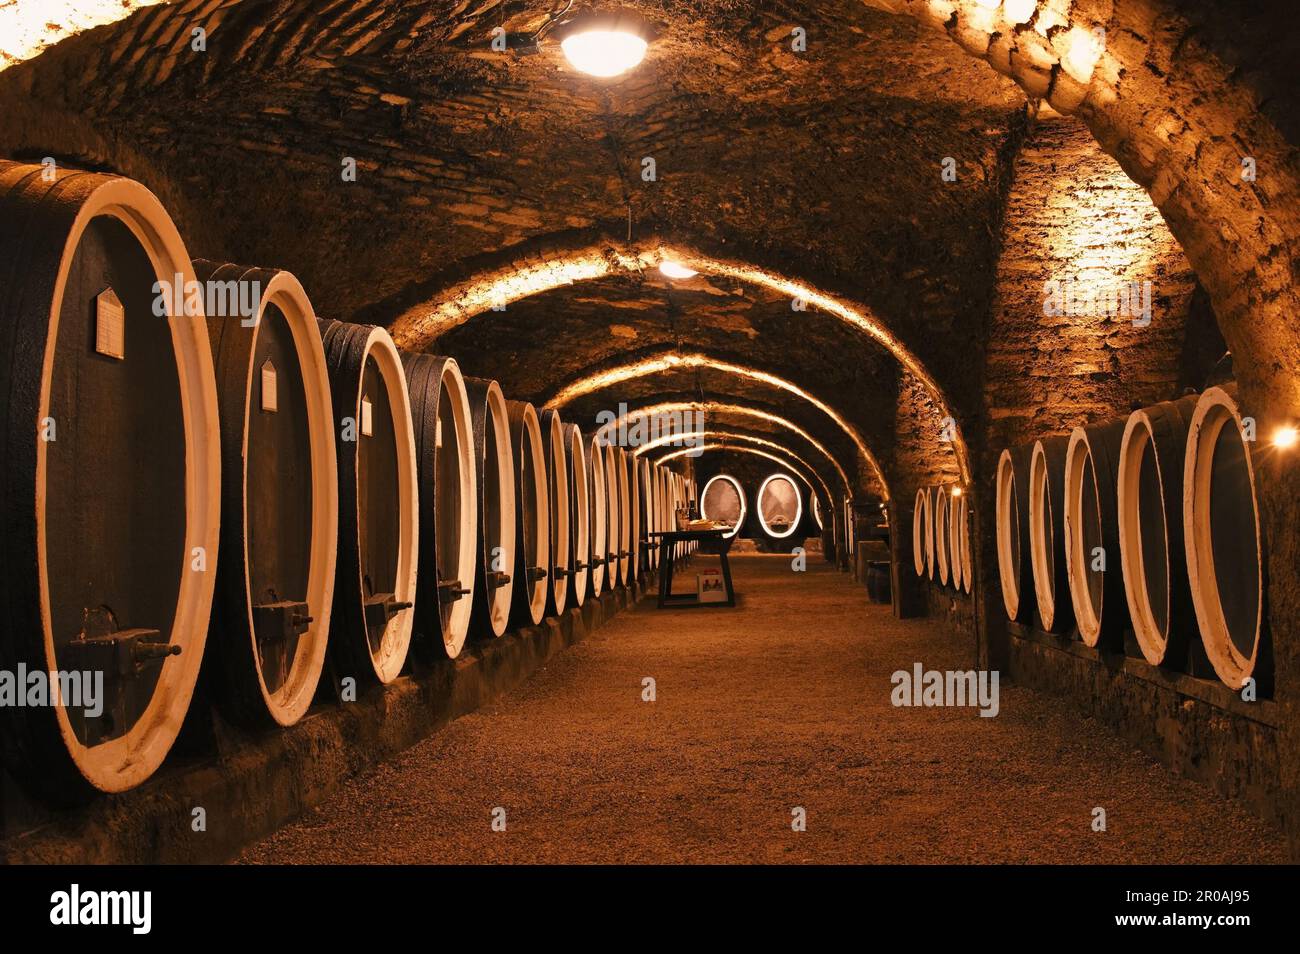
(967, 329)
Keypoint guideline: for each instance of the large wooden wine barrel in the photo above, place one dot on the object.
(1047, 535)
(533, 523)
(626, 509)
(448, 476)
(1226, 567)
(112, 464)
(379, 540)
(967, 561)
(633, 516)
(943, 572)
(1091, 524)
(921, 523)
(579, 514)
(613, 518)
(557, 490)
(279, 500)
(494, 459)
(779, 505)
(850, 535)
(724, 500)
(1150, 500)
(599, 519)
(1015, 566)
(956, 521)
(649, 519)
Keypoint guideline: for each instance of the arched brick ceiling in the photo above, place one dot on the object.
(750, 396)
(824, 164)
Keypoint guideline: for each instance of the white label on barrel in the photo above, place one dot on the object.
(270, 400)
(110, 325)
(437, 432)
(367, 417)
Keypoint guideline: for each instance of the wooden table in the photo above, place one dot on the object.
(714, 542)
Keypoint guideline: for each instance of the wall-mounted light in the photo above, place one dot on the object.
(1286, 437)
(956, 491)
(671, 269)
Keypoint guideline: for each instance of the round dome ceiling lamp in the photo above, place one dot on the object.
(604, 44)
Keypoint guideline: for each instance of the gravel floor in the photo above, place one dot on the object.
(780, 703)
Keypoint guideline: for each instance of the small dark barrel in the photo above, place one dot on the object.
(878, 583)
(379, 539)
(445, 457)
(1047, 534)
(613, 518)
(626, 510)
(494, 459)
(279, 531)
(599, 516)
(943, 571)
(724, 499)
(1226, 567)
(779, 505)
(533, 523)
(1015, 567)
(1150, 498)
(558, 512)
(579, 514)
(112, 489)
(1091, 524)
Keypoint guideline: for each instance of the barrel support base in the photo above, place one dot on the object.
(251, 784)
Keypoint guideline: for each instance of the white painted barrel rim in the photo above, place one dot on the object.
(918, 530)
(1008, 523)
(650, 498)
(1079, 468)
(634, 516)
(466, 569)
(798, 506)
(740, 495)
(541, 544)
(613, 529)
(1216, 409)
(1139, 441)
(1042, 539)
(389, 658)
(967, 562)
(558, 499)
(502, 596)
(124, 762)
(941, 534)
(291, 701)
(956, 516)
(928, 530)
(599, 513)
(624, 517)
(580, 509)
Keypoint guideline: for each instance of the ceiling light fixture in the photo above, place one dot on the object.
(605, 43)
(604, 53)
(671, 269)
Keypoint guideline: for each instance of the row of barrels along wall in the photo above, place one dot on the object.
(265, 502)
(1170, 494)
(941, 545)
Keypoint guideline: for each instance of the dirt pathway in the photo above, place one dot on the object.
(781, 703)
